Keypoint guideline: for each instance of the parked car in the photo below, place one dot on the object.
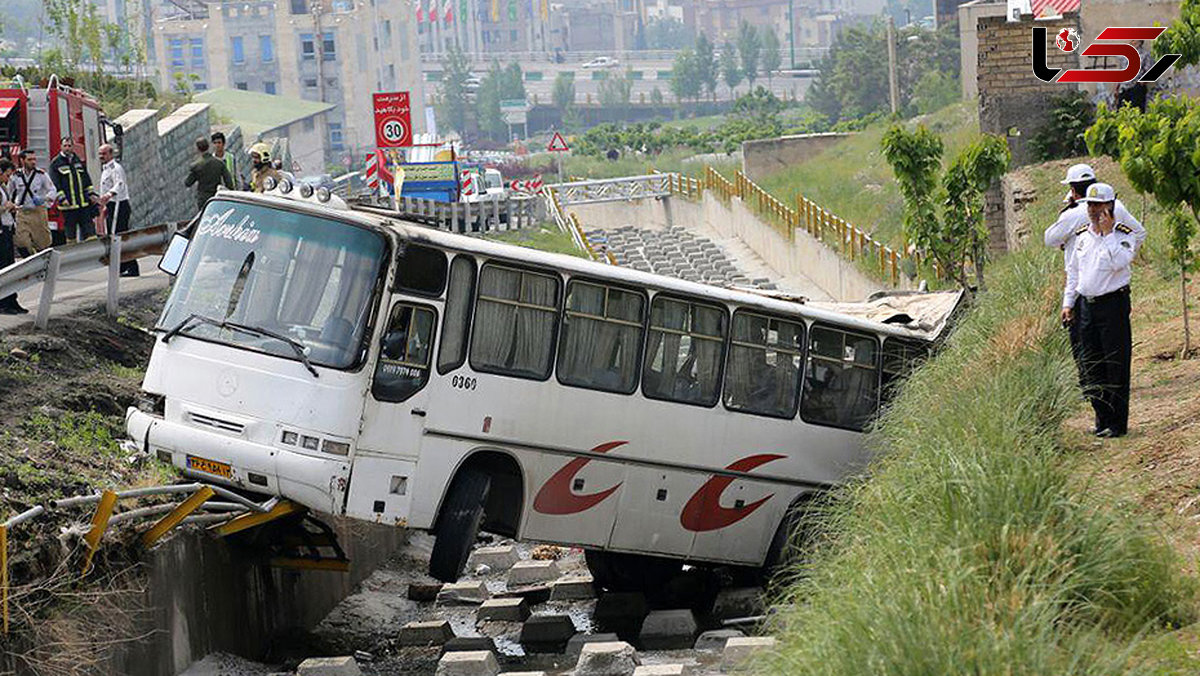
(472, 83)
(602, 62)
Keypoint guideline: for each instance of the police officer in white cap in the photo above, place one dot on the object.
(1072, 217)
(1098, 276)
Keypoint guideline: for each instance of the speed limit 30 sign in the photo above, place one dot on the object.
(393, 120)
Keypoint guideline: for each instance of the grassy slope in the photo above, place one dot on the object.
(547, 238)
(997, 536)
(853, 180)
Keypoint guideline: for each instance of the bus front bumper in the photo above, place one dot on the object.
(316, 483)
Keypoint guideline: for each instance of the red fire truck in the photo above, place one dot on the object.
(39, 117)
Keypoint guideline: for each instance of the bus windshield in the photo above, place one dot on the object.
(300, 282)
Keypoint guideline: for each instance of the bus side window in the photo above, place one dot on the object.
(515, 320)
(403, 367)
(421, 270)
(684, 352)
(900, 358)
(453, 349)
(765, 361)
(841, 383)
(601, 337)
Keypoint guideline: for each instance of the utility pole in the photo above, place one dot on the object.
(893, 89)
(319, 48)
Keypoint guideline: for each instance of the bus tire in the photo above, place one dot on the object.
(620, 571)
(458, 525)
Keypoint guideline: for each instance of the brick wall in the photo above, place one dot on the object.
(1013, 103)
(156, 154)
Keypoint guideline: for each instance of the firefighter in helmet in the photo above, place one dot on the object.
(260, 156)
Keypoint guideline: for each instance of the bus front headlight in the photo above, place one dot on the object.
(155, 404)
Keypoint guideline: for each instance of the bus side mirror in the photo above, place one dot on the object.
(172, 260)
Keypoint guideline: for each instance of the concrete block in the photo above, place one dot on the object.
(668, 630)
(469, 644)
(573, 588)
(617, 658)
(532, 572)
(533, 594)
(468, 663)
(621, 612)
(738, 650)
(329, 666)
(463, 593)
(546, 633)
(418, 591)
(663, 670)
(575, 645)
(433, 632)
(740, 602)
(503, 610)
(714, 640)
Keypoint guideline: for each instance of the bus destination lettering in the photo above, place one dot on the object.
(219, 225)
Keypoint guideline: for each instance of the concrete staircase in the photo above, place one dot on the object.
(673, 251)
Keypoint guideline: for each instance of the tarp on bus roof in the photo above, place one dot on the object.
(925, 312)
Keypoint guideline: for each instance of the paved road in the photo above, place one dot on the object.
(86, 288)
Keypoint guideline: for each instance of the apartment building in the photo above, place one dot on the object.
(333, 51)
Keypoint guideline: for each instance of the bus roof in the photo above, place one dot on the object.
(920, 316)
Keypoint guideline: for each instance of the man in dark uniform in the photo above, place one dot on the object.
(8, 227)
(207, 173)
(1103, 252)
(76, 196)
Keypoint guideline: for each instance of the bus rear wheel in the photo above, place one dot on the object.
(619, 571)
(458, 525)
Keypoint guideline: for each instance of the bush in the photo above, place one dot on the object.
(973, 549)
(1062, 136)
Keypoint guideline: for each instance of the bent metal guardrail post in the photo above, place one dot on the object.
(612, 189)
(46, 266)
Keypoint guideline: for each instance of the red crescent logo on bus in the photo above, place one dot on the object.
(703, 512)
(555, 496)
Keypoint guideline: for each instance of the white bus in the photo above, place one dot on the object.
(363, 366)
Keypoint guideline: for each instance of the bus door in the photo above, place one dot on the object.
(385, 460)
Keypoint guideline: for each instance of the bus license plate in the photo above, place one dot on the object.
(207, 466)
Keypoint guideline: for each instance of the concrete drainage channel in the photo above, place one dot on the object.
(520, 609)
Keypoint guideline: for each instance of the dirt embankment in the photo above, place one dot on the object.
(63, 395)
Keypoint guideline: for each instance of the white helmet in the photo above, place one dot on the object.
(1079, 173)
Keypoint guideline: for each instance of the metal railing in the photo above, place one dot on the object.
(826, 227)
(45, 267)
(568, 222)
(613, 189)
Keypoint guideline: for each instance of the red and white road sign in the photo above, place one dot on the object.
(393, 120)
(558, 144)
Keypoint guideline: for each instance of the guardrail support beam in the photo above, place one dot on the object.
(114, 275)
(47, 298)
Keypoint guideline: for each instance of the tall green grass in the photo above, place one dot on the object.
(972, 549)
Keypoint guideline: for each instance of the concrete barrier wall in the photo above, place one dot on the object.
(207, 594)
(836, 276)
(156, 154)
(768, 156)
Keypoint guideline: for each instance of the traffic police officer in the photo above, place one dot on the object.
(1099, 276)
(76, 196)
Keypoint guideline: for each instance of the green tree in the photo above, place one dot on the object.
(513, 82)
(615, 91)
(487, 104)
(706, 64)
(772, 57)
(656, 96)
(750, 50)
(1182, 36)
(1158, 152)
(563, 95)
(935, 90)
(685, 76)
(666, 33)
(915, 158)
(452, 100)
(731, 73)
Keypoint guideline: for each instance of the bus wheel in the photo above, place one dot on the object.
(618, 571)
(458, 525)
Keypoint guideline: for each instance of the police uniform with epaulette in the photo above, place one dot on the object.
(1100, 268)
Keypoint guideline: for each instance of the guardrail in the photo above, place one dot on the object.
(830, 229)
(46, 266)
